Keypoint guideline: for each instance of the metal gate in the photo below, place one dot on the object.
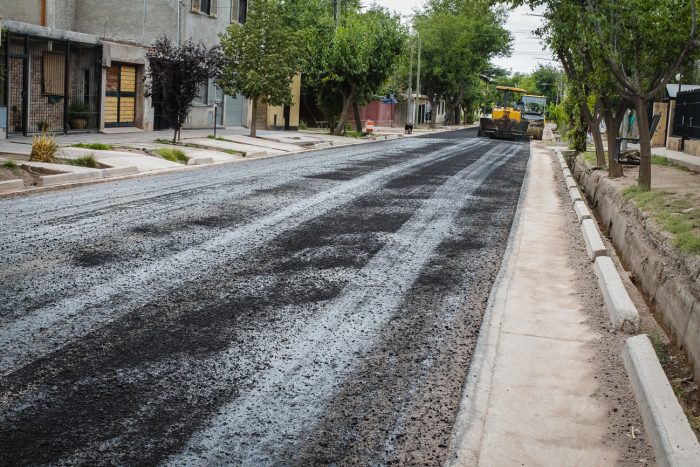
(52, 85)
(235, 111)
(16, 104)
(686, 119)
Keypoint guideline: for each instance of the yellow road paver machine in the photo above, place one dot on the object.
(506, 121)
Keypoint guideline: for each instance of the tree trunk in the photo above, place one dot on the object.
(449, 114)
(358, 120)
(613, 119)
(348, 99)
(176, 133)
(432, 112)
(640, 106)
(254, 120)
(595, 132)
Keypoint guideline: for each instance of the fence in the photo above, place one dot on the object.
(686, 119)
(51, 85)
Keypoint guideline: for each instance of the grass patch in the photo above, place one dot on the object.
(234, 153)
(94, 146)
(219, 138)
(355, 134)
(677, 215)
(84, 161)
(592, 160)
(9, 164)
(173, 155)
(166, 141)
(666, 162)
(660, 347)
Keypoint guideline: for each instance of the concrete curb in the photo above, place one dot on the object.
(623, 313)
(575, 194)
(674, 442)
(61, 179)
(594, 241)
(12, 185)
(582, 211)
(200, 161)
(119, 171)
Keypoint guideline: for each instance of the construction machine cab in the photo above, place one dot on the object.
(506, 120)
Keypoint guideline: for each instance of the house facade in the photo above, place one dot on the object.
(79, 65)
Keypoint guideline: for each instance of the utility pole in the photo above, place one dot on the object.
(409, 112)
(336, 12)
(417, 84)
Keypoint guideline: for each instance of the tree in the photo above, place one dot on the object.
(361, 57)
(175, 74)
(260, 57)
(631, 46)
(458, 40)
(643, 43)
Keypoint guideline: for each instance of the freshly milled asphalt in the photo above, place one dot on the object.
(310, 309)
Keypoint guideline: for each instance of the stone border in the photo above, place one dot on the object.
(623, 314)
(669, 279)
(674, 442)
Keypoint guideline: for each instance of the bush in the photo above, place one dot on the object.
(173, 155)
(44, 148)
(302, 125)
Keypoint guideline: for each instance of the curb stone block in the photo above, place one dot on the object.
(61, 179)
(582, 211)
(570, 182)
(575, 194)
(119, 171)
(325, 145)
(623, 313)
(674, 442)
(200, 161)
(594, 242)
(12, 185)
(567, 172)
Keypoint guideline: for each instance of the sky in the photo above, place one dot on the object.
(527, 50)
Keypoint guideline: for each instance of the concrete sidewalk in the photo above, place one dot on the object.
(686, 160)
(529, 398)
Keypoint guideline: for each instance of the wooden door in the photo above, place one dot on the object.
(120, 100)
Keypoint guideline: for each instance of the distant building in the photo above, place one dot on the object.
(79, 65)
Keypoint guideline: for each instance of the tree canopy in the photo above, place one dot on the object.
(175, 73)
(260, 57)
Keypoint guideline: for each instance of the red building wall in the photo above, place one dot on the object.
(381, 114)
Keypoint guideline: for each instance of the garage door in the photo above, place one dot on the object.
(235, 111)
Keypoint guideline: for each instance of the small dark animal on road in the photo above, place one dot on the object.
(408, 129)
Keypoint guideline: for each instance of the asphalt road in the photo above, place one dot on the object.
(310, 309)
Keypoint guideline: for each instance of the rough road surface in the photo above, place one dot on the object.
(311, 309)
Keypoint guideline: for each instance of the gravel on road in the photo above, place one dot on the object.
(318, 308)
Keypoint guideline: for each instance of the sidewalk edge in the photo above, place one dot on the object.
(470, 417)
(674, 442)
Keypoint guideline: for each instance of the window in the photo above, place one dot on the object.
(203, 95)
(242, 11)
(207, 7)
(54, 74)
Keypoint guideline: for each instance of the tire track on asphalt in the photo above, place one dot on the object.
(126, 236)
(135, 190)
(47, 329)
(306, 375)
